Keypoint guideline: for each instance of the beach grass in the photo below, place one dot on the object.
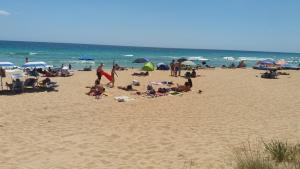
(275, 154)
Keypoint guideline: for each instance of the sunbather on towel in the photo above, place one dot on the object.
(183, 88)
(48, 83)
(141, 74)
(127, 88)
(119, 68)
(283, 73)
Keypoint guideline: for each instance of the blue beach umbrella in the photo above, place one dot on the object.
(267, 62)
(162, 66)
(141, 60)
(86, 58)
(182, 59)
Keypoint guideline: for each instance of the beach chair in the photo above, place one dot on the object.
(17, 86)
(30, 83)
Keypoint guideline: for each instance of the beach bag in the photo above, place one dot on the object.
(2, 72)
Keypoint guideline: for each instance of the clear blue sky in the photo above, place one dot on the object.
(269, 25)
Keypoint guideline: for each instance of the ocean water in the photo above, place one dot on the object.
(62, 53)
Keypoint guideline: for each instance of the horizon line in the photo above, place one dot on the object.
(153, 47)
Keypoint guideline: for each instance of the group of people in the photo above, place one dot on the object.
(111, 77)
(98, 89)
(175, 68)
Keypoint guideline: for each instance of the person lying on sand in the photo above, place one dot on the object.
(283, 73)
(183, 88)
(127, 88)
(141, 74)
(119, 68)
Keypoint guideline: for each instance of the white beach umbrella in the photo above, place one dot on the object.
(188, 63)
(42, 65)
(7, 65)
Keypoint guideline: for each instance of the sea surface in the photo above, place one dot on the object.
(57, 54)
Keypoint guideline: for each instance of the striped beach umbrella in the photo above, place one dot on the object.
(7, 65)
(31, 65)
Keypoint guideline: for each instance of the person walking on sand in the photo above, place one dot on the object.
(99, 71)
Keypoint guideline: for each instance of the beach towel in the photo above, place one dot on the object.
(156, 83)
(123, 99)
(174, 93)
(106, 75)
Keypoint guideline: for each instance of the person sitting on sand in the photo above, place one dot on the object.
(188, 75)
(150, 90)
(193, 74)
(270, 75)
(231, 66)
(97, 90)
(241, 64)
(141, 74)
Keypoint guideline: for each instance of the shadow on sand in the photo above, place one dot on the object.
(32, 90)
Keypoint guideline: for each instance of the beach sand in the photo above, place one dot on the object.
(68, 129)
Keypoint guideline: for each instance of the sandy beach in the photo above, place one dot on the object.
(68, 129)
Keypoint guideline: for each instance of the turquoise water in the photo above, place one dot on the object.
(61, 53)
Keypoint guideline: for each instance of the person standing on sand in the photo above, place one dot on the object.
(176, 68)
(179, 69)
(113, 73)
(99, 71)
(172, 67)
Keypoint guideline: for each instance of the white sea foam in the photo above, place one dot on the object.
(129, 55)
(252, 58)
(80, 62)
